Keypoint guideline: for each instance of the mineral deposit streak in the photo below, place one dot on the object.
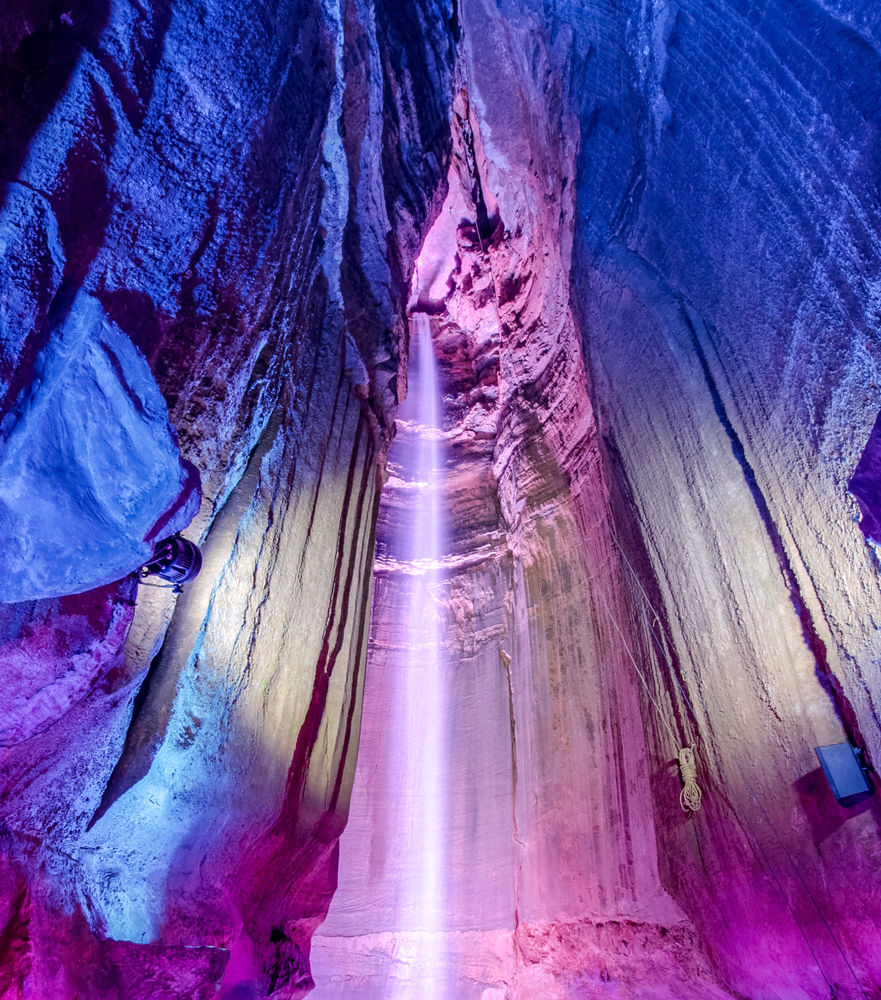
(420, 709)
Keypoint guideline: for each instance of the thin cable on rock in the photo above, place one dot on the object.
(690, 796)
(718, 762)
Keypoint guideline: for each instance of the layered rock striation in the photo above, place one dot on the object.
(648, 242)
(551, 880)
(728, 228)
(208, 214)
(724, 228)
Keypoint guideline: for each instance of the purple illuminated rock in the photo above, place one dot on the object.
(655, 293)
(55, 652)
(725, 259)
(226, 200)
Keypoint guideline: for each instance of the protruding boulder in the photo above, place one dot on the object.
(90, 469)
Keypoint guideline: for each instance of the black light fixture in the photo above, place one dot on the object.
(176, 560)
(845, 772)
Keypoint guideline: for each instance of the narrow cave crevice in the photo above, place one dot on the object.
(865, 485)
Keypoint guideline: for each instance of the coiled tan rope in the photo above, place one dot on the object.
(690, 796)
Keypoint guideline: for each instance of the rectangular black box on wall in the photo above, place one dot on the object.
(845, 773)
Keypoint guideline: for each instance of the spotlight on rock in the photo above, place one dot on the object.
(174, 559)
(845, 772)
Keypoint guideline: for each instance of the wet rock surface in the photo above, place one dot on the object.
(726, 281)
(552, 869)
(722, 262)
(652, 275)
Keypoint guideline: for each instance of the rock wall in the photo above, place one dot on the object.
(689, 488)
(653, 285)
(232, 197)
(551, 885)
(728, 235)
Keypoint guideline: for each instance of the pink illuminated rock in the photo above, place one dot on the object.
(648, 242)
(551, 875)
(61, 650)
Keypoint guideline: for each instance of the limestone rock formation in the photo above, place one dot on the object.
(729, 258)
(232, 196)
(648, 240)
(733, 387)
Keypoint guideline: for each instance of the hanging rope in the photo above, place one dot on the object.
(690, 796)
(739, 806)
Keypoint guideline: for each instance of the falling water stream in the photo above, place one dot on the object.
(419, 714)
(393, 893)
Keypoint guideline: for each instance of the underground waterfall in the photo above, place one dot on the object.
(647, 240)
(407, 754)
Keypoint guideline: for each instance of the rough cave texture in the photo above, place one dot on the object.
(649, 238)
(724, 226)
(552, 886)
(209, 215)
(727, 280)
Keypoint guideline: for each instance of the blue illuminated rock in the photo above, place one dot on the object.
(227, 199)
(658, 282)
(90, 470)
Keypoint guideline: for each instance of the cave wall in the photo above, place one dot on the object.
(551, 880)
(723, 282)
(727, 275)
(209, 214)
(657, 337)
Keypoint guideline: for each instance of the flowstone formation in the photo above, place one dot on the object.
(648, 243)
